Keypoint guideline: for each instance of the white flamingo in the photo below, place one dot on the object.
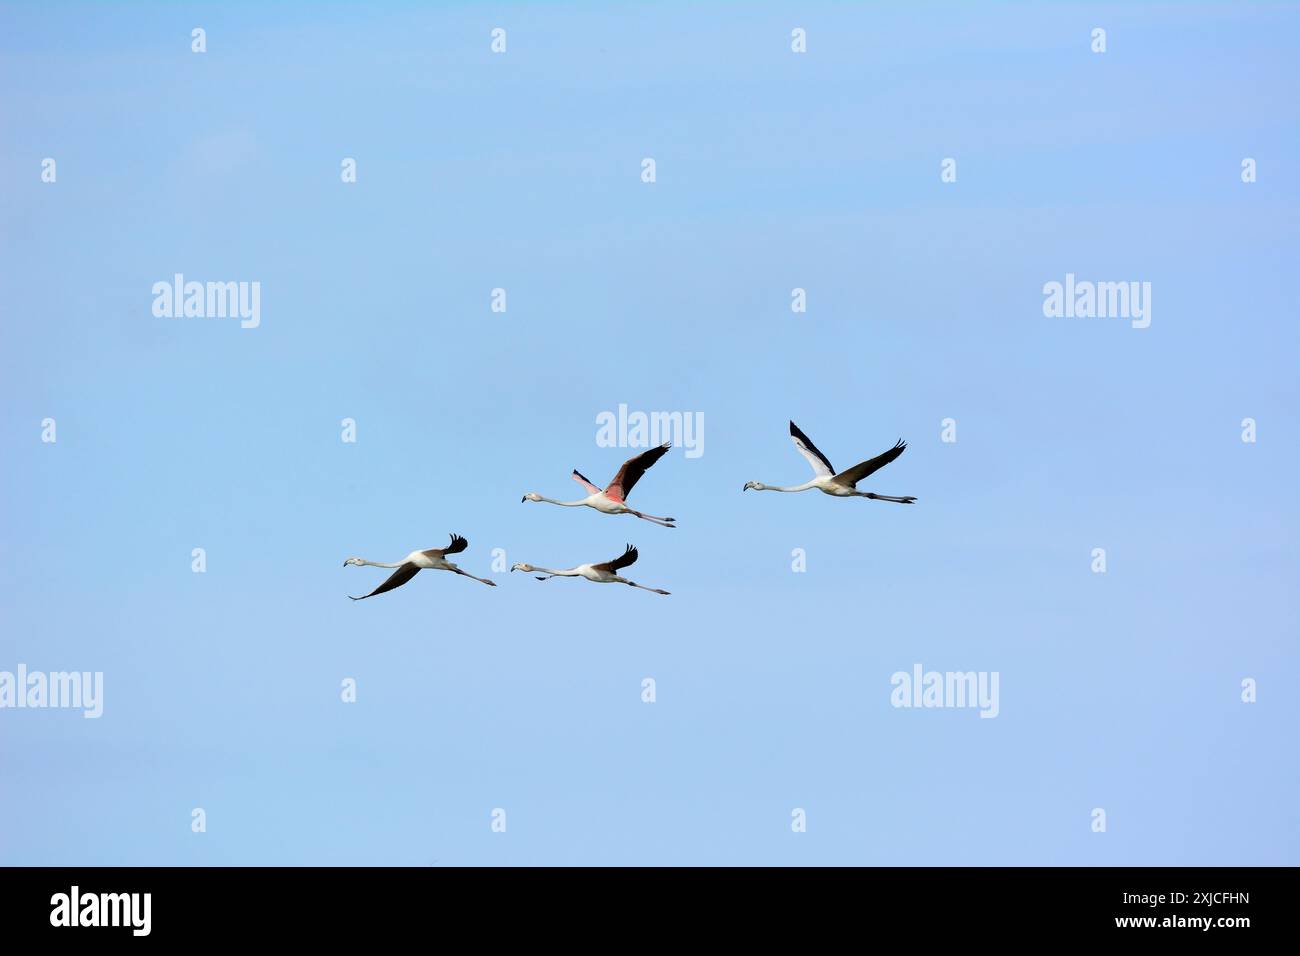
(599, 573)
(613, 499)
(826, 480)
(434, 559)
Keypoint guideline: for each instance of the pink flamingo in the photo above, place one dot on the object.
(613, 500)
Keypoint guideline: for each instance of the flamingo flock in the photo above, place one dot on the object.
(612, 500)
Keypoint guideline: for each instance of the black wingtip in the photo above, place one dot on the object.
(351, 598)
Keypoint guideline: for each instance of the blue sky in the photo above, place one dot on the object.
(775, 170)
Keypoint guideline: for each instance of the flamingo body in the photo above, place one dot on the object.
(434, 559)
(842, 484)
(612, 499)
(603, 573)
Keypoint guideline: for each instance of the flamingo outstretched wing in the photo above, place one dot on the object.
(581, 479)
(395, 580)
(458, 544)
(821, 465)
(622, 561)
(631, 472)
(851, 476)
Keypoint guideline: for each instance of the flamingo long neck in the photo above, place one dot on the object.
(804, 487)
(380, 564)
(567, 573)
(564, 504)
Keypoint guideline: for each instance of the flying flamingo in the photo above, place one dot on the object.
(599, 573)
(431, 560)
(826, 480)
(613, 500)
